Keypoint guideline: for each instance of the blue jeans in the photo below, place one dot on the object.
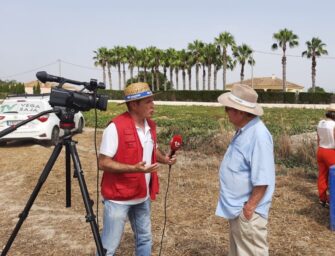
(115, 217)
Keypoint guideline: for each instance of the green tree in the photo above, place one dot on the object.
(315, 48)
(284, 38)
(196, 50)
(209, 54)
(131, 53)
(116, 58)
(100, 59)
(224, 41)
(243, 55)
(150, 75)
(37, 88)
(316, 89)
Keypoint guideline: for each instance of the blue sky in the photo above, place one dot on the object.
(37, 33)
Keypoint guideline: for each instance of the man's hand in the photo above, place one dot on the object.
(165, 159)
(248, 211)
(140, 167)
(171, 160)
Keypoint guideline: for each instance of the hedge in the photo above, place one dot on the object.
(211, 96)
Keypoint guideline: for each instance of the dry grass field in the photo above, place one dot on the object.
(297, 224)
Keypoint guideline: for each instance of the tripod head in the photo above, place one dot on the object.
(66, 117)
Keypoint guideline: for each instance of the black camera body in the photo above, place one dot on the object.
(78, 101)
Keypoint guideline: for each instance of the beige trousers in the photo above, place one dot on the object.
(248, 237)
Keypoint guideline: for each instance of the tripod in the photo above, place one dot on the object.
(70, 152)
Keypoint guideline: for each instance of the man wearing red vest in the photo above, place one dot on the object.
(129, 158)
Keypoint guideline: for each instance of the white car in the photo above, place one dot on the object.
(15, 109)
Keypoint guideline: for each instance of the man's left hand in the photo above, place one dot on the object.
(248, 211)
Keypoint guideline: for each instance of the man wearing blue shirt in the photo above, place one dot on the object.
(247, 174)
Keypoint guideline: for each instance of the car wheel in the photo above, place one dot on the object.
(80, 126)
(54, 136)
(3, 143)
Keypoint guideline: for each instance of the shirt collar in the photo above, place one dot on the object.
(249, 124)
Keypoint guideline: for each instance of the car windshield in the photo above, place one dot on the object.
(21, 107)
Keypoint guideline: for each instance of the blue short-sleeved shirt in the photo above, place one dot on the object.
(248, 162)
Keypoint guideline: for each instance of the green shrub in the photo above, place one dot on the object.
(315, 98)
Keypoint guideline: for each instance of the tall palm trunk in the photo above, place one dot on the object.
(145, 74)
(104, 74)
(203, 77)
(215, 75)
(313, 73)
(119, 72)
(157, 79)
(171, 76)
(138, 74)
(197, 77)
(152, 79)
(124, 73)
(109, 77)
(176, 73)
(284, 72)
(184, 79)
(242, 72)
(224, 73)
(131, 73)
(189, 73)
(209, 76)
(165, 78)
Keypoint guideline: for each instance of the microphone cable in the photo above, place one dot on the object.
(97, 160)
(165, 206)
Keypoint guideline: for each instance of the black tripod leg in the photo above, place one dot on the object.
(68, 175)
(33, 196)
(90, 217)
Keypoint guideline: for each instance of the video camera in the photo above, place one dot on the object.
(79, 101)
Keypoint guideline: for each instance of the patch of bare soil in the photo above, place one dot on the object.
(297, 224)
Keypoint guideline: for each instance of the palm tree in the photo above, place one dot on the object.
(315, 48)
(171, 55)
(209, 53)
(217, 63)
(225, 40)
(189, 64)
(165, 63)
(155, 57)
(183, 60)
(196, 49)
(117, 59)
(101, 55)
(284, 37)
(243, 54)
(110, 63)
(131, 53)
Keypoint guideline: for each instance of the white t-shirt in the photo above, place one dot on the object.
(109, 145)
(326, 133)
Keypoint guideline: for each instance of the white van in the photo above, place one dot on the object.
(15, 109)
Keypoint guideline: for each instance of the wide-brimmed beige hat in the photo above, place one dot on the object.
(242, 97)
(331, 107)
(136, 91)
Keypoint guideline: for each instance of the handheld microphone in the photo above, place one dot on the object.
(175, 144)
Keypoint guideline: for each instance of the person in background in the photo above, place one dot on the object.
(247, 174)
(325, 153)
(129, 158)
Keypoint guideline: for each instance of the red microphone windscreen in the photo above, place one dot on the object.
(176, 142)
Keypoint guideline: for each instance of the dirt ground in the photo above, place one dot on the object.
(297, 224)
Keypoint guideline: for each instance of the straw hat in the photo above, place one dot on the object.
(331, 107)
(242, 97)
(136, 91)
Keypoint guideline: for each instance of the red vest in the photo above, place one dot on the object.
(128, 186)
